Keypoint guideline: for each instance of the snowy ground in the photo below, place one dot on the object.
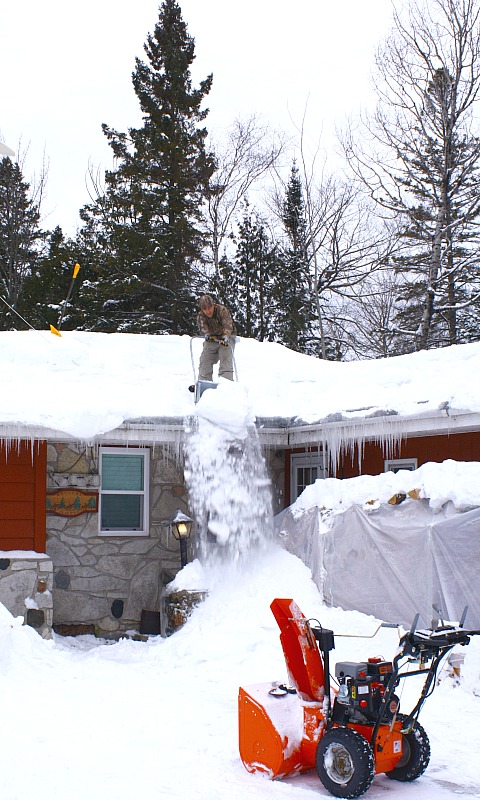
(84, 718)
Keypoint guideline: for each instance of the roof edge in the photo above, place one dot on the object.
(277, 431)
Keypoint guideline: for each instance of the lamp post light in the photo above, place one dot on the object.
(181, 525)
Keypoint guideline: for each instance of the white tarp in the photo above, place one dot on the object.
(392, 562)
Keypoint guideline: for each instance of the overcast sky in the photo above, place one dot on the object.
(65, 68)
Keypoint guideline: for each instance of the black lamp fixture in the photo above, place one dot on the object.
(181, 525)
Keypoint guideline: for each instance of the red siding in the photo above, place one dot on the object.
(458, 446)
(23, 474)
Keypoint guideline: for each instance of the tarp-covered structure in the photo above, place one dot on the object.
(393, 561)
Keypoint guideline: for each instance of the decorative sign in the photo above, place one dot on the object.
(72, 502)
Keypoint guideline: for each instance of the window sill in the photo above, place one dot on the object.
(122, 534)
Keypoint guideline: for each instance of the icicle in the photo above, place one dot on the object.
(349, 439)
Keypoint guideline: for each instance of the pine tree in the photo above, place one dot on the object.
(295, 309)
(20, 240)
(246, 283)
(146, 228)
(46, 291)
(442, 228)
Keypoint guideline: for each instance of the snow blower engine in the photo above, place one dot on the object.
(361, 691)
(351, 733)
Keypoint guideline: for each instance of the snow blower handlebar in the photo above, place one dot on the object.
(425, 647)
(430, 642)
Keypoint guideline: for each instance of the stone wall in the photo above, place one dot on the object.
(275, 463)
(107, 581)
(26, 582)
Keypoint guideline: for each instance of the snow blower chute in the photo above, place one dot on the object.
(348, 734)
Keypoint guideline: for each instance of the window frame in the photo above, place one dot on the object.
(396, 464)
(306, 460)
(145, 493)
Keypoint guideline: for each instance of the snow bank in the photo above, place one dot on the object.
(452, 482)
(159, 719)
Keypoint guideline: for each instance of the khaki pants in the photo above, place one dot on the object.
(212, 353)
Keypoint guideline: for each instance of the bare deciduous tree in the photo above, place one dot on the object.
(419, 156)
(249, 151)
(367, 326)
(344, 244)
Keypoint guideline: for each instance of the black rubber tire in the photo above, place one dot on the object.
(415, 755)
(345, 762)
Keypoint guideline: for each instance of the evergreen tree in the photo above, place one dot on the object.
(294, 306)
(46, 292)
(20, 241)
(146, 228)
(442, 228)
(246, 284)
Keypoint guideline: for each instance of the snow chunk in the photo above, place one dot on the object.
(192, 578)
(228, 408)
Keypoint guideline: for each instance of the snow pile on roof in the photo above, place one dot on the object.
(86, 384)
(452, 482)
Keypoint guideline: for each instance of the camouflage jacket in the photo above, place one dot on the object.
(220, 324)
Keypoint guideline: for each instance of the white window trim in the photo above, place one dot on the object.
(315, 458)
(145, 451)
(396, 464)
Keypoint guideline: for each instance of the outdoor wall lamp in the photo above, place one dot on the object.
(181, 525)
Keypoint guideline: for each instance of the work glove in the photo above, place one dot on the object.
(224, 341)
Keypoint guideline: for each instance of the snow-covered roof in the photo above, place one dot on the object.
(87, 386)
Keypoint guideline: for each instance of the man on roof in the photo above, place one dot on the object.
(215, 323)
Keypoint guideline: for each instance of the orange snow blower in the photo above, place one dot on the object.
(348, 734)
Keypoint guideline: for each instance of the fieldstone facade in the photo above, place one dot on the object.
(107, 581)
(88, 582)
(26, 582)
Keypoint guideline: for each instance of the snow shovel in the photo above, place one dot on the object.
(200, 386)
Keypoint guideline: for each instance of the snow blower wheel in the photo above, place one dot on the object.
(415, 754)
(345, 762)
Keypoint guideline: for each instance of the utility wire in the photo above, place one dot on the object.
(22, 318)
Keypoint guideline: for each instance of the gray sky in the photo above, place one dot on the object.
(65, 68)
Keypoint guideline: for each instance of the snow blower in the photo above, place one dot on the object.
(351, 733)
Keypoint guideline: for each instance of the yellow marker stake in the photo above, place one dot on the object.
(56, 331)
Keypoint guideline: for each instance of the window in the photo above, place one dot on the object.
(396, 464)
(124, 491)
(305, 468)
